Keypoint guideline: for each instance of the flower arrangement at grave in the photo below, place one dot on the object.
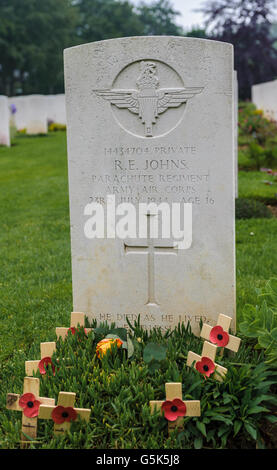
(117, 382)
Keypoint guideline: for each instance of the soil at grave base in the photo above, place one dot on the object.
(273, 209)
(269, 434)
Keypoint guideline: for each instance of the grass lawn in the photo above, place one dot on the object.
(35, 280)
(255, 185)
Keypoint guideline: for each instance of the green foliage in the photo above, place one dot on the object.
(260, 322)
(258, 186)
(159, 18)
(257, 136)
(230, 410)
(33, 35)
(154, 354)
(118, 390)
(248, 208)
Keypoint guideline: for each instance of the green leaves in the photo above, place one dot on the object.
(154, 352)
(153, 355)
(260, 322)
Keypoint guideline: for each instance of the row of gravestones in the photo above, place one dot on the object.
(31, 113)
(173, 408)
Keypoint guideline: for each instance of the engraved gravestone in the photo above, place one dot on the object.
(150, 120)
(236, 123)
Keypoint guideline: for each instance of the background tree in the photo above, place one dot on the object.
(33, 35)
(105, 19)
(247, 24)
(159, 18)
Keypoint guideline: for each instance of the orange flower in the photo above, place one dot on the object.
(103, 346)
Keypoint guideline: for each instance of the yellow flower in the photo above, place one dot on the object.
(103, 346)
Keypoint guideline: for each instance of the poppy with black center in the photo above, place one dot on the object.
(29, 404)
(219, 337)
(173, 409)
(205, 366)
(62, 414)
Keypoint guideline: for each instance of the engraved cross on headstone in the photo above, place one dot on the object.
(151, 247)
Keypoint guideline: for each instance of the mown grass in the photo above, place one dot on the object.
(254, 185)
(35, 280)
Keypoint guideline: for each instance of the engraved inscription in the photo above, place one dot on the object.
(151, 248)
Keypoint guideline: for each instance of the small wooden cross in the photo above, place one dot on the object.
(204, 362)
(46, 350)
(223, 322)
(173, 391)
(77, 319)
(29, 425)
(65, 407)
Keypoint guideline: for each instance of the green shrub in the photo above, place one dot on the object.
(250, 208)
(253, 123)
(257, 137)
(118, 390)
(260, 322)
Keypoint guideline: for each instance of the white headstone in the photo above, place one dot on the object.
(4, 121)
(264, 96)
(236, 123)
(20, 116)
(150, 119)
(56, 108)
(36, 115)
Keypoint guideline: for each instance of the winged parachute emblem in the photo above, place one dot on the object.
(148, 101)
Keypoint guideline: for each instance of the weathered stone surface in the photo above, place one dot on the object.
(180, 148)
(236, 123)
(4, 121)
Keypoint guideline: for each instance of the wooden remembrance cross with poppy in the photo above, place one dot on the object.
(219, 334)
(64, 413)
(46, 352)
(174, 408)
(205, 363)
(29, 404)
(77, 319)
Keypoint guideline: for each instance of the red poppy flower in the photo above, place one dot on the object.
(205, 366)
(29, 404)
(219, 337)
(44, 363)
(60, 414)
(74, 330)
(173, 409)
